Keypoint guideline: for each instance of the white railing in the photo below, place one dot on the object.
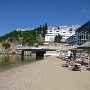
(38, 47)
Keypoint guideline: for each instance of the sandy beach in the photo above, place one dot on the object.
(47, 74)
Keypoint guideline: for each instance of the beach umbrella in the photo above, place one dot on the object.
(73, 50)
(67, 48)
(87, 47)
(74, 47)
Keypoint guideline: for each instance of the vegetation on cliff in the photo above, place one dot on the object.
(27, 37)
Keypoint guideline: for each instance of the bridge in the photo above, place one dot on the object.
(39, 50)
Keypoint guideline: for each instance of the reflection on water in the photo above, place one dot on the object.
(9, 61)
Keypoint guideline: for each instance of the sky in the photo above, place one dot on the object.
(16, 14)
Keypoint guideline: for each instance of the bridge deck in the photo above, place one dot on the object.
(34, 48)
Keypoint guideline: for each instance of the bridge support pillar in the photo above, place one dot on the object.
(22, 55)
(40, 55)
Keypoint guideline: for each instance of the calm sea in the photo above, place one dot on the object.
(10, 61)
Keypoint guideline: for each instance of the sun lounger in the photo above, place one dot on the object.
(75, 67)
(64, 65)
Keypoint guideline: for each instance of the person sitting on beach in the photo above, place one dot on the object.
(71, 64)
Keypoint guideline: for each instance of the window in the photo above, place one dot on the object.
(64, 32)
(57, 31)
(70, 32)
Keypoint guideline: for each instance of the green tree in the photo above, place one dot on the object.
(44, 30)
(31, 42)
(39, 40)
(6, 45)
(58, 38)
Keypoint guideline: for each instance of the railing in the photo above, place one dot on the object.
(38, 47)
(27, 47)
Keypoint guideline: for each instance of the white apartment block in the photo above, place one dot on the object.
(64, 31)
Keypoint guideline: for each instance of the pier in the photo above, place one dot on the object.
(39, 51)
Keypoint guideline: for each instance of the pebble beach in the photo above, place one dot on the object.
(47, 74)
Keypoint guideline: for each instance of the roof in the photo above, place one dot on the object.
(84, 25)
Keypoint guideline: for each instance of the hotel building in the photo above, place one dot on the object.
(83, 33)
(64, 31)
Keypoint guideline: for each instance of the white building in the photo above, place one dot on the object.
(24, 29)
(64, 31)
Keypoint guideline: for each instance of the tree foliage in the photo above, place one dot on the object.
(6, 45)
(58, 38)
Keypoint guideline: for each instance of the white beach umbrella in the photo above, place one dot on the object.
(74, 47)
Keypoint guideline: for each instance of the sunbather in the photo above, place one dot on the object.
(73, 65)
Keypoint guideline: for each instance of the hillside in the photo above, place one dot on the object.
(28, 37)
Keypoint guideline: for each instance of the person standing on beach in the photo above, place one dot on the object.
(69, 54)
(74, 55)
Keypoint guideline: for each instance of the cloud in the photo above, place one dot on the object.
(87, 11)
